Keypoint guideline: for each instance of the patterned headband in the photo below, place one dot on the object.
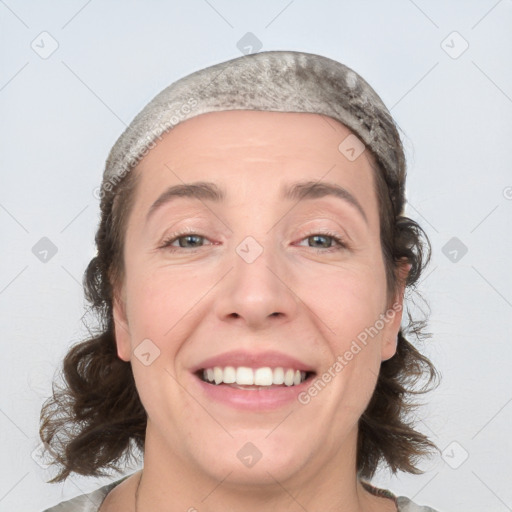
(279, 81)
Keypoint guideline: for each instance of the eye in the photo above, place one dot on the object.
(325, 242)
(185, 240)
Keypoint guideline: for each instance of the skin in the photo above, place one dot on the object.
(204, 300)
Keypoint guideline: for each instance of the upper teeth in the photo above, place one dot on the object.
(245, 376)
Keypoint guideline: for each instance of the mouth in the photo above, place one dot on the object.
(253, 382)
(254, 379)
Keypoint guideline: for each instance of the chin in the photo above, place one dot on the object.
(253, 459)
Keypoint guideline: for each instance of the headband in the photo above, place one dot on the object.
(278, 81)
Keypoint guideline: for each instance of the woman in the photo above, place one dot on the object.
(252, 262)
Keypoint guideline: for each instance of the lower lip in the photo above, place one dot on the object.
(253, 399)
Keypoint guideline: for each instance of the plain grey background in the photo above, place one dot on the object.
(75, 73)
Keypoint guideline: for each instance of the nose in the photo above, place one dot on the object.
(256, 293)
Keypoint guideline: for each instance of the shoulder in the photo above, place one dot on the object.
(404, 504)
(90, 502)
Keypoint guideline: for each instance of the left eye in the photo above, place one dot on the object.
(324, 241)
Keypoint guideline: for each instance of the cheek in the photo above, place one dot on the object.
(158, 314)
(348, 304)
(159, 301)
(347, 300)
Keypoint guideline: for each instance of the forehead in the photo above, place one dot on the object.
(251, 133)
(256, 152)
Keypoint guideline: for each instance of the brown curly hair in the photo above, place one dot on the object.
(95, 420)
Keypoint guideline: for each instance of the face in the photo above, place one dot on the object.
(247, 277)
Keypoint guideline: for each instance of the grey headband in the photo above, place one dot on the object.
(279, 81)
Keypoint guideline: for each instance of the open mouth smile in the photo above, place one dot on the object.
(243, 377)
(253, 389)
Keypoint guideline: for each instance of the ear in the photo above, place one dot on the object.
(393, 315)
(121, 327)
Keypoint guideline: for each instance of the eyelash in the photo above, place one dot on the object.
(339, 241)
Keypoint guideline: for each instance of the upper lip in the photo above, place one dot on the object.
(253, 360)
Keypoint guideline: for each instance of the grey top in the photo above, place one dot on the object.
(91, 502)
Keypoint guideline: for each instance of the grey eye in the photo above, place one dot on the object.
(194, 240)
(323, 241)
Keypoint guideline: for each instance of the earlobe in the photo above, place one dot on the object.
(121, 329)
(390, 339)
(389, 349)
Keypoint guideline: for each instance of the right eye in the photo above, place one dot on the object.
(185, 241)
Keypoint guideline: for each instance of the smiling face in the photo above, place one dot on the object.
(245, 270)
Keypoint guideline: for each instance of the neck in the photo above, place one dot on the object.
(170, 480)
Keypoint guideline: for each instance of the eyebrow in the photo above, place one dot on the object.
(207, 191)
(315, 190)
(201, 190)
